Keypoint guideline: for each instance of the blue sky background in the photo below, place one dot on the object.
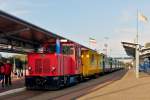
(80, 19)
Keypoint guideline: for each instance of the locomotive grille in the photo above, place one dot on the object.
(46, 65)
(38, 66)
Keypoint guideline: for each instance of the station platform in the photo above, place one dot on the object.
(127, 88)
(119, 85)
(17, 85)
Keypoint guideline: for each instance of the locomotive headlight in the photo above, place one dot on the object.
(29, 68)
(87, 56)
(53, 69)
(81, 56)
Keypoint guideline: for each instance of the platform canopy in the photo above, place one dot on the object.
(17, 35)
(129, 48)
(145, 53)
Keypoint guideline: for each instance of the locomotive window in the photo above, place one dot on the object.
(67, 50)
(101, 61)
(41, 49)
(79, 52)
(92, 59)
(71, 51)
(51, 49)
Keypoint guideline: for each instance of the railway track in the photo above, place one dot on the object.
(70, 92)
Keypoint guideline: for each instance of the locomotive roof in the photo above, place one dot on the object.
(18, 30)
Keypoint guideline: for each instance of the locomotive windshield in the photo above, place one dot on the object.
(51, 48)
(68, 50)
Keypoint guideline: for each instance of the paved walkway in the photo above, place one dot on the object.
(127, 88)
(16, 83)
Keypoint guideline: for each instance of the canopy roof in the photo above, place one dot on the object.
(17, 34)
(145, 52)
(129, 48)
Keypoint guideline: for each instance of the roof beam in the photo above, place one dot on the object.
(23, 40)
(13, 32)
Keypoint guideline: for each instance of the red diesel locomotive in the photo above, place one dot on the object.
(59, 64)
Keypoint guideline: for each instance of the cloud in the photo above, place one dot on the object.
(126, 16)
(126, 30)
(20, 12)
(121, 34)
(20, 8)
(3, 4)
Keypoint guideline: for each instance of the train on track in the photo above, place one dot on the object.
(56, 65)
(53, 61)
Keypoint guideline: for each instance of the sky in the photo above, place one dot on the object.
(107, 21)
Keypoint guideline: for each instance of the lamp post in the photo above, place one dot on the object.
(106, 45)
(137, 50)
